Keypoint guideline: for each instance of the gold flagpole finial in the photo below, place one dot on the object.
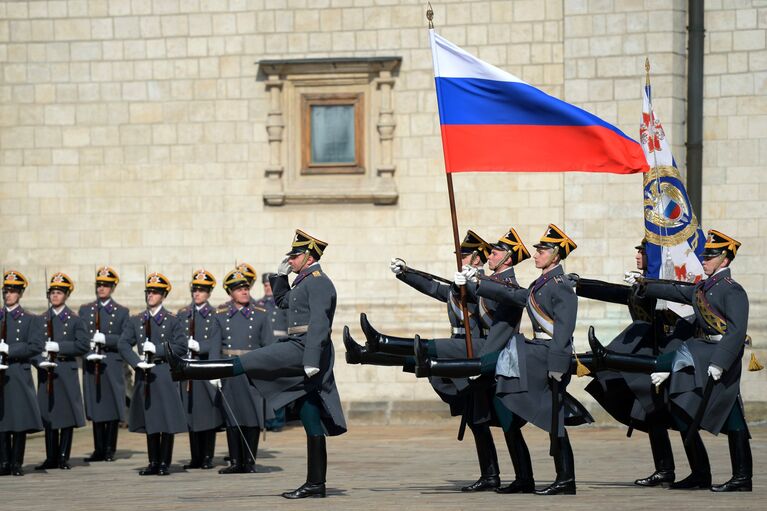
(647, 70)
(430, 15)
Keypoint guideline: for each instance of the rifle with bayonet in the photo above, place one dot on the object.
(49, 332)
(97, 346)
(192, 354)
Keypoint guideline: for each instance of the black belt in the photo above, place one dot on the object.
(110, 350)
(66, 359)
(18, 361)
(158, 361)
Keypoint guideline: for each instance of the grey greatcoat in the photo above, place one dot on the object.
(278, 321)
(522, 372)
(449, 389)
(105, 402)
(242, 330)
(64, 407)
(199, 397)
(277, 370)
(162, 412)
(630, 397)
(19, 411)
(721, 314)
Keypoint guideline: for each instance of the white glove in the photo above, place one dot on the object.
(3, 367)
(397, 266)
(99, 338)
(149, 347)
(193, 345)
(51, 347)
(145, 365)
(284, 267)
(215, 383)
(631, 276)
(47, 365)
(459, 278)
(3, 346)
(658, 378)
(556, 375)
(95, 357)
(715, 372)
(311, 371)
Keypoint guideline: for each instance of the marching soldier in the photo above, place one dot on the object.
(104, 377)
(532, 374)
(279, 329)
(300, 368)
(243, 327)
(21, 340)
(707, 365)
(200, 397)
(58, 389)
(155, 407)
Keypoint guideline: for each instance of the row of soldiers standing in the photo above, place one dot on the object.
(106, 338)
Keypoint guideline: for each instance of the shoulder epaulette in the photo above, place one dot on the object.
(223, 307)
(558, 279)
(316, 273)
(183, 310)
(256, 307)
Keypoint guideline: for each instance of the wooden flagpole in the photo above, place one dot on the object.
(456, 239)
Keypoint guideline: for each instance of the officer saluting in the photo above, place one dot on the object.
(244, 327)
(300, 368)
(203, 416)
(21, 340)
(58, 389)
(103, 376)
(156, 405)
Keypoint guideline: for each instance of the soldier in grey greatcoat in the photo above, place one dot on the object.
(532, 374)
(278, 329)
(705, 370)
(300, 367)
(21, 339)
(244, 327)
(58, 379)
(629, 397)
(155, 407)
(104, 370)
(200, 398)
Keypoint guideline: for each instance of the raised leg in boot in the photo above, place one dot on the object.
(381, 343)
(524, 482)
(153, 453)
(602, 358)
(358, 354)
(662, 456)
(564, 463)
(700, 478)
(187, 369)
(489, 478)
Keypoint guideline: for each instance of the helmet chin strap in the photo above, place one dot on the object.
(554, 253)
(303, 261)
(502, 261)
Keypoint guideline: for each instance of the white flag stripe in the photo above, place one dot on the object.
(450, 61)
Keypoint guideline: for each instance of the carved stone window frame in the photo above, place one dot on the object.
(288, 82)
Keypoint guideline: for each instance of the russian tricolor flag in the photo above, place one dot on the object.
(493, 121)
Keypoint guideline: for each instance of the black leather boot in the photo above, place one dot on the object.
(194, 449)
(209, 448)
(51, 449)
(233, 441)
(110, 440)
(186, 369)
(153, 453)
(450, 368)
(65, 448)
(317, 465)
(5, 453)
(489, 478)
(166, 453)
(606, 359)
(19, 441)
(524, 481)
(742, 464)
(358, 354)
(98, 442)
(378, 342)
(564, 463)
(662, 456)
(250, 445)
(697, 457)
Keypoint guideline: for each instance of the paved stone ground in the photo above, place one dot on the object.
(392, 467)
